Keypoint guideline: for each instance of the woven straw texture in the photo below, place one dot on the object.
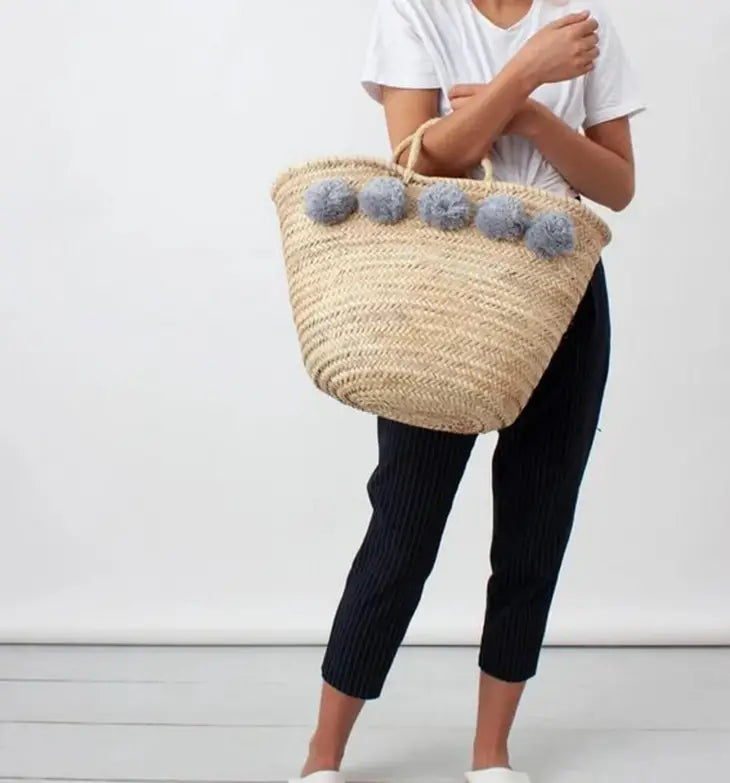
(447, 330)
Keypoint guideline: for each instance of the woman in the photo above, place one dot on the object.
(517, 80)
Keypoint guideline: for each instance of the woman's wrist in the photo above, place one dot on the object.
(520, 71)
(536, 115)
(529, 121)
(514, 80)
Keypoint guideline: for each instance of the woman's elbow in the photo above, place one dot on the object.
(623, 196)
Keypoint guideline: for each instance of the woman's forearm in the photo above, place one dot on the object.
(564, 49)
(463, 139)
(591, 169)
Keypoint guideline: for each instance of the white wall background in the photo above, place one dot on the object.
(166, 471)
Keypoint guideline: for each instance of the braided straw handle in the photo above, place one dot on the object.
(415, 142)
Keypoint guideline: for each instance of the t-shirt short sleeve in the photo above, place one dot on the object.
(396, 55)
(611, 89)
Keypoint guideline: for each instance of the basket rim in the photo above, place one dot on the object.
(565, 203)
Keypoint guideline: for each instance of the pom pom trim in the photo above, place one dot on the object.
(446, 207)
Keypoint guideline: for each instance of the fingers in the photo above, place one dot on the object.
(566, 21)
(589, 47)
(588, 27)
(463, 90)
(458, 103)
(581, 26)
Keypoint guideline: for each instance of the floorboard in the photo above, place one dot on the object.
(98, 714)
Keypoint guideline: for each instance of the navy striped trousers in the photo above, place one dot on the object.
(537, 470)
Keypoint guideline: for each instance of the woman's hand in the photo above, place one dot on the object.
(560, 51)
(459, 94)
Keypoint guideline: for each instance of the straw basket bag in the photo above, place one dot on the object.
(441, 306)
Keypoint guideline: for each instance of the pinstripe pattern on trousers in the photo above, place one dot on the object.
(537, 469)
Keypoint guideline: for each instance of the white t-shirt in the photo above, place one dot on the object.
(440, 43)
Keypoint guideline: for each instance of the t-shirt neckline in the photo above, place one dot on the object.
(492, 25)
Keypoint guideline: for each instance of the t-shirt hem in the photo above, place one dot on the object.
(374, 85)
(614, 112)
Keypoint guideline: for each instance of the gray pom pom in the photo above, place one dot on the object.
(330, 201)
(551, 234)
(384, 200)
(445, 206)
(502, 217)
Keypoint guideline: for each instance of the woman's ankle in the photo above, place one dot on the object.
(321, 759)
(315, 765)
(486, 759)
(337, 715)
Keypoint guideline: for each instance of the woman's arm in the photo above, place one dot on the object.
(459, 141)
(600, 165)
(562, 50)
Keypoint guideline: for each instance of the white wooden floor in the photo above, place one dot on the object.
(244, 714)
